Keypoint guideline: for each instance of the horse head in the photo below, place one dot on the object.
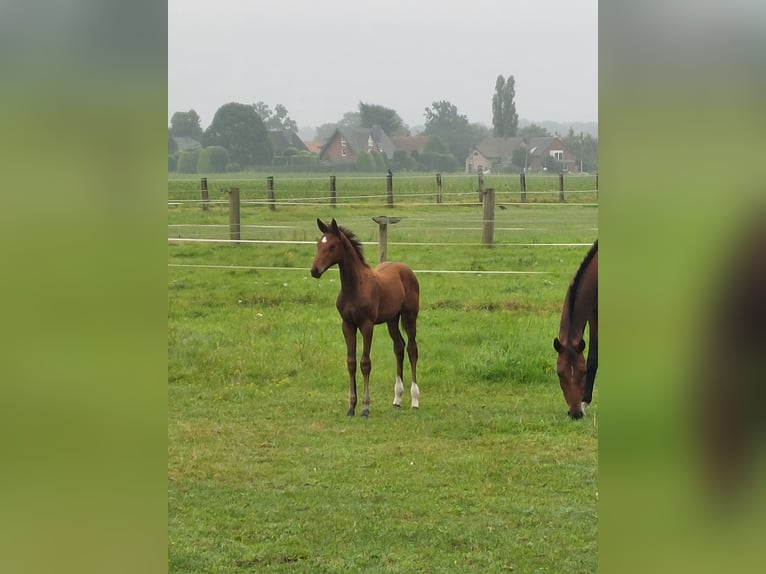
(329, 248)
(571, 368)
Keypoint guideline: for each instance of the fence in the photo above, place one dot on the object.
(412, 190)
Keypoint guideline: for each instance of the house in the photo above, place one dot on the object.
(313, 146)
(409, 143)
(283, 139)
(186, 143)
(497, 153)
(345, 144)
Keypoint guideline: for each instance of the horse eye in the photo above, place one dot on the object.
(332, 247)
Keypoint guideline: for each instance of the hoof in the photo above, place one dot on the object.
(350, 413)
(397, 406)
(416, 408)
(365, 413)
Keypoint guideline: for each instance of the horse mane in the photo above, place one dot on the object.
(578, 276)
(354, 240)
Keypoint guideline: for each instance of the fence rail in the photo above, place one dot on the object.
(437, 188)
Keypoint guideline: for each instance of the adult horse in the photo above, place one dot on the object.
(369, 297)
(577, 377)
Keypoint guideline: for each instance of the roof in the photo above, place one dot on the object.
(358, 138)
(313, 146)
(281, 139)
(409, 143)
(186, 143)
(503, 148)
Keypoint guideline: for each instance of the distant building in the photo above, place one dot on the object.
(345, 144)
(283, 139)
(186, 143)
(497, 153)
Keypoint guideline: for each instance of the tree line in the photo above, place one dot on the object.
(237, 138)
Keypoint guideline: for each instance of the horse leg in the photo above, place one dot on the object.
(592, 363)
(349, 333)
(396, 337)
(409, 322)
(367, 330)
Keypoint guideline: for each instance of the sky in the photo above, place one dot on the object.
(319, 59)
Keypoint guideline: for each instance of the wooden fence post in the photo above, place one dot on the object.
(270, 187)
(234, 213)
(438, 188)
(481, 185)
(390, 189)
(333, 193)
(523, 183)
(561, 187)
(596, 186)
(383, 222)
(205, 198)
(488, 227)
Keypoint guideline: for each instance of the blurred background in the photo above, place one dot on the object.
(84, 286)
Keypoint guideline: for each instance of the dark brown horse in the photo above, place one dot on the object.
(367, 298)
(580, 307)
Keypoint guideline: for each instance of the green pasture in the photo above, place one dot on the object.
(265, 471)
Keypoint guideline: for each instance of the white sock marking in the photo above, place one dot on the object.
(415, 394)
(398, 392)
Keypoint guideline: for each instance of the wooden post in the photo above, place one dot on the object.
(561, 187)
(205, 198)
(234, 213)
(333, 193)
(438, 188)
(390, 189)
(488, 227)
(383, 222)
(270, 187)
(523, 183)
(481, 185)
(596, 186)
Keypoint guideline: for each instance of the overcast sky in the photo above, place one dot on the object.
(320, 58)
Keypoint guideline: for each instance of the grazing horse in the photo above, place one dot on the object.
(580, 307)
(367, 298)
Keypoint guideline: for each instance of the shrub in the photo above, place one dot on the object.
(187, 161)
(380, 160)
(365, 163)
(212, 159)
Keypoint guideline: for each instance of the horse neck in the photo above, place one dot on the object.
(352, 268)
(572, 326)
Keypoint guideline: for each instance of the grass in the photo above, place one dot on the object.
(265, 471)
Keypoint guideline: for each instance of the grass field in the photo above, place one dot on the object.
(265, 471)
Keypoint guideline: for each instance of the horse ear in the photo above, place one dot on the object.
(321, 225)
(557, 345)
(334, 225)
(581, 346)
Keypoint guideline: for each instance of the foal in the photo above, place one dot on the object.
(367, 298)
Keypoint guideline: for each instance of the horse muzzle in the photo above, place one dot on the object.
(316, 273)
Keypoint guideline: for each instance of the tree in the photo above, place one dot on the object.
(505, 120)
(325, 131)
(172, 145)
(239, 129)
(186, 124)
(277, 119)
(372, 115)
(533, 131)
(212, 159)
(444, 121)
(584, 147)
